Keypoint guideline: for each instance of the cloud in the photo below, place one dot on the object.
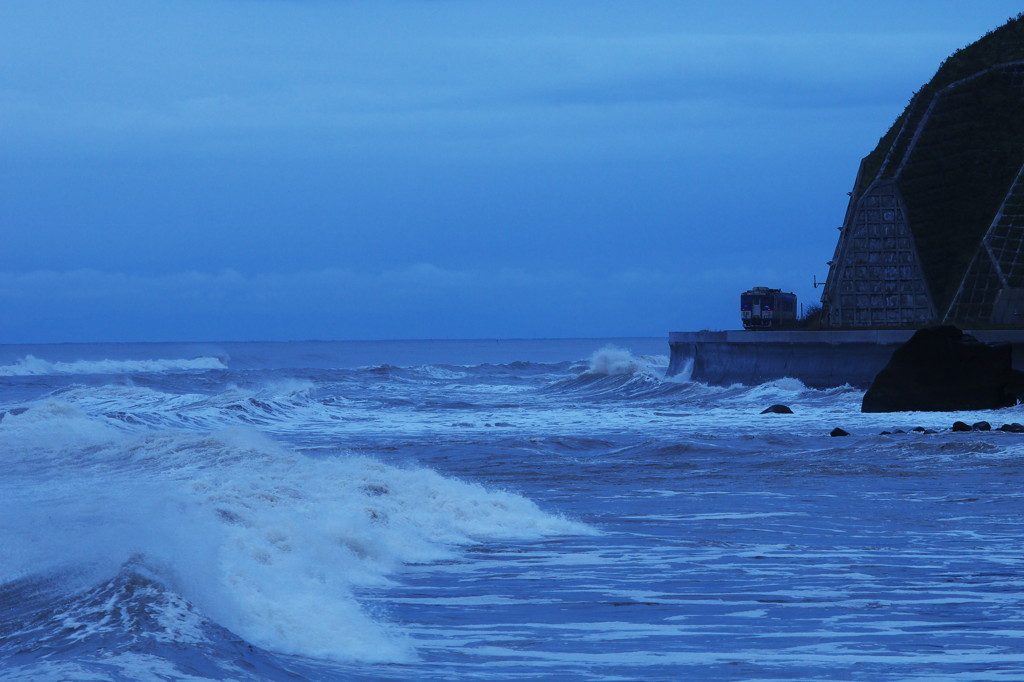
(418, 301)
(214, 160)
(345, 284)
(330, 76)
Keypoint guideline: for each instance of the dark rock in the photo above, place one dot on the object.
(941, 369)
(885, 433)
(918, 428)
(1012, 428)
(981, 426)
(899, 431)
(777, 409)
(961, 426)
(838, 432)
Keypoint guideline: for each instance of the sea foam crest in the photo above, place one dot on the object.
(129, 406)
(48, 433)
(613, 361)
(31, 365)
(269, 543)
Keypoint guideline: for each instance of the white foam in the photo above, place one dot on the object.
(291, 388)
(48, 433)
(269, 543)
(115, 667)
(778, 387)
(31, 365)
(435, 372)
(613, 361)
(684, 375)
(126, 406)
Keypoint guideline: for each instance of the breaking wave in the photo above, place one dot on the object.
(614, 374)
(232, 530)
(613, 361)
(33, 366)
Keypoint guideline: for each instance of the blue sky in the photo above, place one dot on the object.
(317, 169)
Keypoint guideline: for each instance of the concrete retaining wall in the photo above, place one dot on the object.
(819, 359)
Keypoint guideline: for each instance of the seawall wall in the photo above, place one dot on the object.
(820, 359)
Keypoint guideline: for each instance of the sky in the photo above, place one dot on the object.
(232, 170)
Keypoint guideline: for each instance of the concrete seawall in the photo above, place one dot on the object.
(820, 359)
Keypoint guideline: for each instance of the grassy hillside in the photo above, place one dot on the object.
(1004, 44)
(966, 155)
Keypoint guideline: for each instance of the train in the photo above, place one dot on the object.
(764, 308)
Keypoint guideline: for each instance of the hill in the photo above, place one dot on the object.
(931, 230)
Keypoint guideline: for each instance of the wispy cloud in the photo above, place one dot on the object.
(272, 72)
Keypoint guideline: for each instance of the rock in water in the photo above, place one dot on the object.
(777, 409)
(836, 432)
(941, 369)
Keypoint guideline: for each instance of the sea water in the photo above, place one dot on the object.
(491, 510)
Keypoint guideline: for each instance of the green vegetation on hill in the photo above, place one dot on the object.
(959, 173)
(958, 170)
(999, 46)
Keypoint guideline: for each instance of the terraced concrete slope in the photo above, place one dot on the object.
(935, 226)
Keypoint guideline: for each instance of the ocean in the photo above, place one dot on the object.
(489, 510)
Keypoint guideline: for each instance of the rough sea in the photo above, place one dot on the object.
(489, 510)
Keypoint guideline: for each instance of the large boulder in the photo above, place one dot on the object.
(941, 369)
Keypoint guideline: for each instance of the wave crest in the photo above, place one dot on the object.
(615, 361)
(266, 542)
(33, 366)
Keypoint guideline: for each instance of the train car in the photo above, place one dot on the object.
(764, 308)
